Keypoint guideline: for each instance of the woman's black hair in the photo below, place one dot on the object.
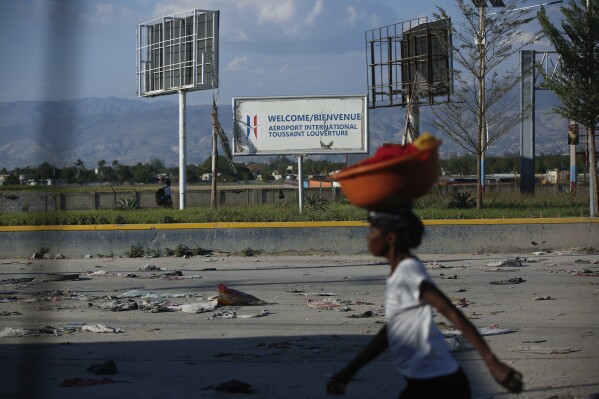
(401, 221)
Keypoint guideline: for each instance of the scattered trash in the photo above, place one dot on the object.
(484, 331)
(516, 280)
(8, 313)
(101, 328)
(83, 382)
(108, 367)
(295, 290)
(327, 303)
(587, 273)
(227, 314)
(263, 313)
(542, 350)
(319, 294)
(152, 295)
(120, 306)
(543, 298)
(231, 297)
(461, 303)
(151, 268)
(368, 313)
(450, 277)
(88, 256)
(12, 332)
(539, 253)
(199, 307)
(510, 262)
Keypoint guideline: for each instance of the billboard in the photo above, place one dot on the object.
(396, 53)
(300, 125)
(178, 52)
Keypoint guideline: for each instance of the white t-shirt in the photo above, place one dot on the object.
(418, 347)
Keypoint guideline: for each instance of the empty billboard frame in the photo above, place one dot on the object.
(178, 52)
(395, 53)
(334, 124)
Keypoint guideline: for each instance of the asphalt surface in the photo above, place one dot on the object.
(312, 322)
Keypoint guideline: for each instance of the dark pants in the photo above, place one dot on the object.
(452, 386)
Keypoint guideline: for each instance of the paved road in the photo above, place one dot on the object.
(289, 352)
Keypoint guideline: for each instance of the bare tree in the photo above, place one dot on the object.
(483, 100)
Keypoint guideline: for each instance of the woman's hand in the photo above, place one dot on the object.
(506, 376)
(338, 382)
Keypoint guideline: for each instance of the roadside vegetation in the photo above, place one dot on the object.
(432, 206)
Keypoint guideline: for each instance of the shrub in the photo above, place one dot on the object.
(315, 202)
(167, 219)
(127, 204)
(135, 252)
(462, 200)
(200, 251)
(153, 253)
(250, 252)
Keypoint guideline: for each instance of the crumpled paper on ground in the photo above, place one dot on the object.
(101, 328)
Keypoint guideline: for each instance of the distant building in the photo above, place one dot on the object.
(208, 176)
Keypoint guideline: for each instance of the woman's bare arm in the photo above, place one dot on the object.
(503, 374)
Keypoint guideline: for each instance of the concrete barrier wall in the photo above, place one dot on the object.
(490, 236)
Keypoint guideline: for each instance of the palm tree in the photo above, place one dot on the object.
(78, 165)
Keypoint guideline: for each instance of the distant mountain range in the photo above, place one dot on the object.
(132, 131)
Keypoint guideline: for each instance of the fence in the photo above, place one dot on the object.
(39, 201)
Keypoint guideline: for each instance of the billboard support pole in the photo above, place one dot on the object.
(214, 170)
(182, 150)
(300, 185)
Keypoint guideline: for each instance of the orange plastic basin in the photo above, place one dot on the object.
(390, 183)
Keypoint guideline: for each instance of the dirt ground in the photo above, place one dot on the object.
(318, 312)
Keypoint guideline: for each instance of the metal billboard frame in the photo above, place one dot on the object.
(178, 52)
(396, 52)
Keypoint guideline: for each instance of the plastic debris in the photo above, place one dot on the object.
(510, 262)
(199, 307)
(231, 297)
(227, 314)
(516, 280)
(484, 331)
(368, 313)
(544, 298)
(449, 277)
(327, 303)
(101, 328)
(12, 332)
(542, 350)
(152, 268)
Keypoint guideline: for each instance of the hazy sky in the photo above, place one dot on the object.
(66, 49)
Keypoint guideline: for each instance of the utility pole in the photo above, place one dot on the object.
(481, 93)
(592, 160)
